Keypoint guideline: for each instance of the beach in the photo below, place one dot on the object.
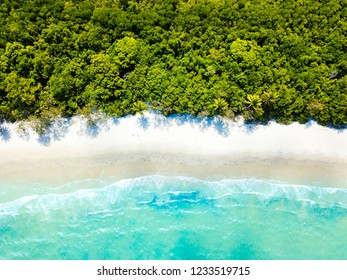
(208, 148)
(173, 130)
(179, 187)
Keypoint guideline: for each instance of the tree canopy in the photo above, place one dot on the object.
(262, 59)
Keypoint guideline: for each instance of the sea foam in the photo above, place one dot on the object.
(160, 217)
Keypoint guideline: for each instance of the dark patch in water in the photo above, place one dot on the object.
(181, 196)
(329, 213)
(177, 200)
(244, 251)
(4, 230)
(187, 247)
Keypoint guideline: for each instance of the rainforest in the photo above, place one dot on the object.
(262, 60)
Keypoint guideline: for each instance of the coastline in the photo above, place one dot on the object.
(210, 148)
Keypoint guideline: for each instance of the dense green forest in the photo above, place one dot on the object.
(263, 59)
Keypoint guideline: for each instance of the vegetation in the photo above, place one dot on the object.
(263, 59)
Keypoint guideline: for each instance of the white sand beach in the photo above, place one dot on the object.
(180, 145)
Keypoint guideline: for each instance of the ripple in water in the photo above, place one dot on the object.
(157, 217)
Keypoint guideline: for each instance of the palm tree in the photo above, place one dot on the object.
(269, 97)
(139, 107)
(219, 106)
(254, 103)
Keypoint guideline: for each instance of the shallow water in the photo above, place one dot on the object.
(158, 217)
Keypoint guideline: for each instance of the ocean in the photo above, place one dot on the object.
(172, 218)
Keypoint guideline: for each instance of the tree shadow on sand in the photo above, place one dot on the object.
(55, 131)
(5, 134)
(143, 122)
(221, 127)
(250, 127)
(184, 119)
(161, 121)
(218, 124)
(92, 130)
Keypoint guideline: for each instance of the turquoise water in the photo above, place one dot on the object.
(158, 217)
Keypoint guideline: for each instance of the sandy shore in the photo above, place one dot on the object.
(152, 144)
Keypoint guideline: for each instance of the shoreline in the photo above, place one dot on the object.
(136, 165)
(153, 144)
